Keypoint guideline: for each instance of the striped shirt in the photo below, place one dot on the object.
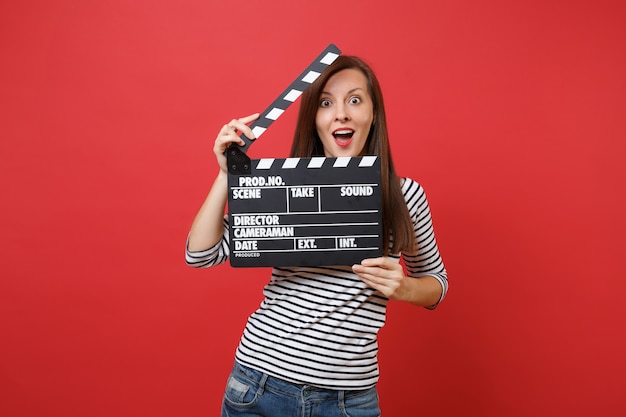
(319, 325)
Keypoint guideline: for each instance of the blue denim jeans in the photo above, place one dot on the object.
(253, 393)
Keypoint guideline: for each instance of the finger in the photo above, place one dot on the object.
(383, 263)
(371, 280)
(242, 125)
(378, 274)
(374, 261)
(228, 129)
(250, 118)
(365, 273)
(225, 138)
(243, 120)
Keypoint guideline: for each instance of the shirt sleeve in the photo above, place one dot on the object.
(216, 255)
(426, 261)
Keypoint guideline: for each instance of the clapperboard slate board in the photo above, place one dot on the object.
(305, 212)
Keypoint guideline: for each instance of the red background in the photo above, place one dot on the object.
(511, 114)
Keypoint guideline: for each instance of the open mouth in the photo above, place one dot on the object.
(343, 136)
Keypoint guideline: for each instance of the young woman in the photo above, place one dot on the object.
(311, 347)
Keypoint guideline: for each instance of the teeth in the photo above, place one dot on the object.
(343, 132)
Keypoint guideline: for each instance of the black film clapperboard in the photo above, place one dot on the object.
(302, 211)
(305, 212)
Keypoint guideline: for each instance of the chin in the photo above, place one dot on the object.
(346, 154)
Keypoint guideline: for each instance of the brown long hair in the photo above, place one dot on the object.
(397, 222)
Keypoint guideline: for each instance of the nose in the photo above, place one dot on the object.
(341, 113)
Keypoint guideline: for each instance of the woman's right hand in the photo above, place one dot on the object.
(208, 226)
(229, 134)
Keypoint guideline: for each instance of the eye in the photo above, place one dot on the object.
(354, 100)
(324, 102)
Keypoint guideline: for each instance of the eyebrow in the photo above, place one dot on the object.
(349, 92)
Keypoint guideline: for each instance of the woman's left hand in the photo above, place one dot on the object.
(385, 275)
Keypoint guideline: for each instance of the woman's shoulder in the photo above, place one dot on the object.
(409, 185)
(414, 195)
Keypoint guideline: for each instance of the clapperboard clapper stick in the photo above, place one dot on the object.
(302, 211)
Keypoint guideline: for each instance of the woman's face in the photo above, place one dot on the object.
(345, 114)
